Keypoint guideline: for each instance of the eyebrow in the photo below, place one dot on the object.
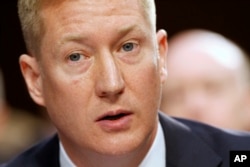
(72, 37)
(127, 29)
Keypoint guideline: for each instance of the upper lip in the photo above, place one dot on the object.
(113, 114)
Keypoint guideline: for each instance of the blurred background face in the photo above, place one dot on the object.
(203, 88)
(97, 60)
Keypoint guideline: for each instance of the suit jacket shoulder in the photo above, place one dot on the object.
(193, 144)
(43, 154)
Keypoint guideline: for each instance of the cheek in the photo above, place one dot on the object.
(65, 99)
(146, 85)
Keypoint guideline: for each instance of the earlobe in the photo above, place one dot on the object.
(162, 49)
(32, 76)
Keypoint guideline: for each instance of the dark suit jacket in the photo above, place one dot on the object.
(188, 144)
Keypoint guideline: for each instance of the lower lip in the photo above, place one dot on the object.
(120, 124)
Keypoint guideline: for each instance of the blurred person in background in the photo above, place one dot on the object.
(208, 80)
(18, 129)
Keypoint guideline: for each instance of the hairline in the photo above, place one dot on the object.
(33, 28)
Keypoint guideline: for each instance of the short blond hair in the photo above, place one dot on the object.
(31, 24)
(33, 28)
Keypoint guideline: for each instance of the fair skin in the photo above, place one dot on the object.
(204, 84)
(97, 59)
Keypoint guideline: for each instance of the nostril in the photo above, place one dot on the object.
(111, 94)
(103, 94)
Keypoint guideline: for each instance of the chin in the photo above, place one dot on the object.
(119, 147)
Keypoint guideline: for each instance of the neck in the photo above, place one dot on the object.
(131, 160)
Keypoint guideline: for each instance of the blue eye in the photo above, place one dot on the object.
(75, 56)
(128, 47)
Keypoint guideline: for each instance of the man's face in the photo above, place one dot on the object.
(99, 74)
(203, 89)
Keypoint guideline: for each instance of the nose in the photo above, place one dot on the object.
(110, 83)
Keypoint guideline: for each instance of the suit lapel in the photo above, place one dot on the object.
(195, 151)
(48, 154)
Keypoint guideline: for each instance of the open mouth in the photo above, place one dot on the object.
(112, 116)
(114, 121)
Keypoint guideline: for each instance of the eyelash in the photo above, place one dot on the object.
(134, 46)
(76, 57)
(73, 56)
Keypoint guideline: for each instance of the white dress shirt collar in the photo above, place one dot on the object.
(157, 153)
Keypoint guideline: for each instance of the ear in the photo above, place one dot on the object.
(162, 51)
(32, 75)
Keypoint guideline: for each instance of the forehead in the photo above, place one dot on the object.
(107, 7)
(93, 19)
(196, 71)
(58, 12)
(215, 46)
(195, 63)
